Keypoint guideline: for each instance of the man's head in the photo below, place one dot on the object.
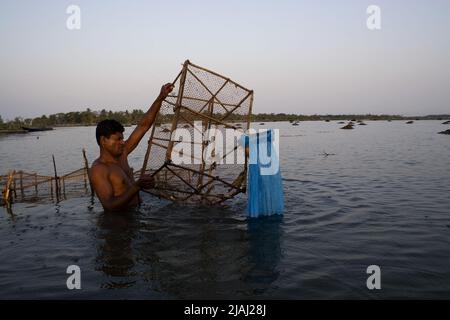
(109, 134)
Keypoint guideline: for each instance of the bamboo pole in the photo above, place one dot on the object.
(85, 180)
(200, 100)
(21, 183)
(179, 74)
(159, 145)
(7, 191)
(210, 176)
(247, 149)
(35, 183)
(63, 186)
(219, 75)
(210, 118)
(86, 166)
(212, 166)
(178, 107)
(158, 170)
(192, 187)
(250, 109)
(205, 144)
(149, 146)
(15, 186)
(56, 179)
(199, 189)
(177, 141)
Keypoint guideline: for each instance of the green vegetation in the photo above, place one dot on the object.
(77, 118)
(90, 118)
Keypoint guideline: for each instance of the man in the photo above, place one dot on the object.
(111, 175)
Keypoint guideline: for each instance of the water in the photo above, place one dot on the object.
(381, 197)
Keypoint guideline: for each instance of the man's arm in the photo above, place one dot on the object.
(147, 120)
(103, 189)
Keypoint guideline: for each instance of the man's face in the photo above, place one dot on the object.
(114, 144)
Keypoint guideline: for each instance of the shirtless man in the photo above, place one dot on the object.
(111, 175)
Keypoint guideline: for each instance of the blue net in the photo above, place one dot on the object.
(265, 189)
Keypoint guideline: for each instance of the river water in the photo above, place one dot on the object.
(375, 195)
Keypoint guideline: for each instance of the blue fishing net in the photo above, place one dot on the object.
(264, 186)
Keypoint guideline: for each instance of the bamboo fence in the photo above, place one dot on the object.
(22, 186)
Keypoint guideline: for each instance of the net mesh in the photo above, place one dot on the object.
(201, 100)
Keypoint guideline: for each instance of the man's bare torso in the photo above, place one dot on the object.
(120, 176)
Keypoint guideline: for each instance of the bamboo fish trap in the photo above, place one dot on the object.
(21, 186)
(206, 97)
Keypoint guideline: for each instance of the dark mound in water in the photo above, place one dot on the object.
(362, 124)
(409, 122)
(446, 122)
(341, 122)
(348, 126)
(445, 132)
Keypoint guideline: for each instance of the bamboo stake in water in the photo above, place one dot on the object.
(86, 166)
(56, 179)
(21, 183)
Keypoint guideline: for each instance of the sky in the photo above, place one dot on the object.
(304, 57)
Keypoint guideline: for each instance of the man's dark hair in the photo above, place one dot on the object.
(108, 127)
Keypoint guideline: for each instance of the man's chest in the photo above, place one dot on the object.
(120, 175)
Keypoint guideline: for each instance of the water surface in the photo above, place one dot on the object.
(379, 197)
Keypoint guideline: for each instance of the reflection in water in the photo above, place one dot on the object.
(115, 252)
(264, 252)
(194, 253)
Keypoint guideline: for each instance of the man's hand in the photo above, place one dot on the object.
(147, 120)
(165, 90)
(145, 182)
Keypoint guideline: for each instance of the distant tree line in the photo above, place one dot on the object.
(85, 118)
(90, 118)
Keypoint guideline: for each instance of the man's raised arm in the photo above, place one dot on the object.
(148, 119)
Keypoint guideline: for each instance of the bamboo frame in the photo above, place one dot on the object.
(201, 100)
(210, 118)
(149, 146)
(204, 179)
(216, 74)
(177, 108)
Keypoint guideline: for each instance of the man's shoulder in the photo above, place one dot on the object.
(98, 167)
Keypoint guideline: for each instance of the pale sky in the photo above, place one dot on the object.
(307, 57)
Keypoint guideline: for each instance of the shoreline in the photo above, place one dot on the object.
(258, 121)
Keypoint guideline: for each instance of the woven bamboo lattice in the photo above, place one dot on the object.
(21, 186)
(215, 101)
